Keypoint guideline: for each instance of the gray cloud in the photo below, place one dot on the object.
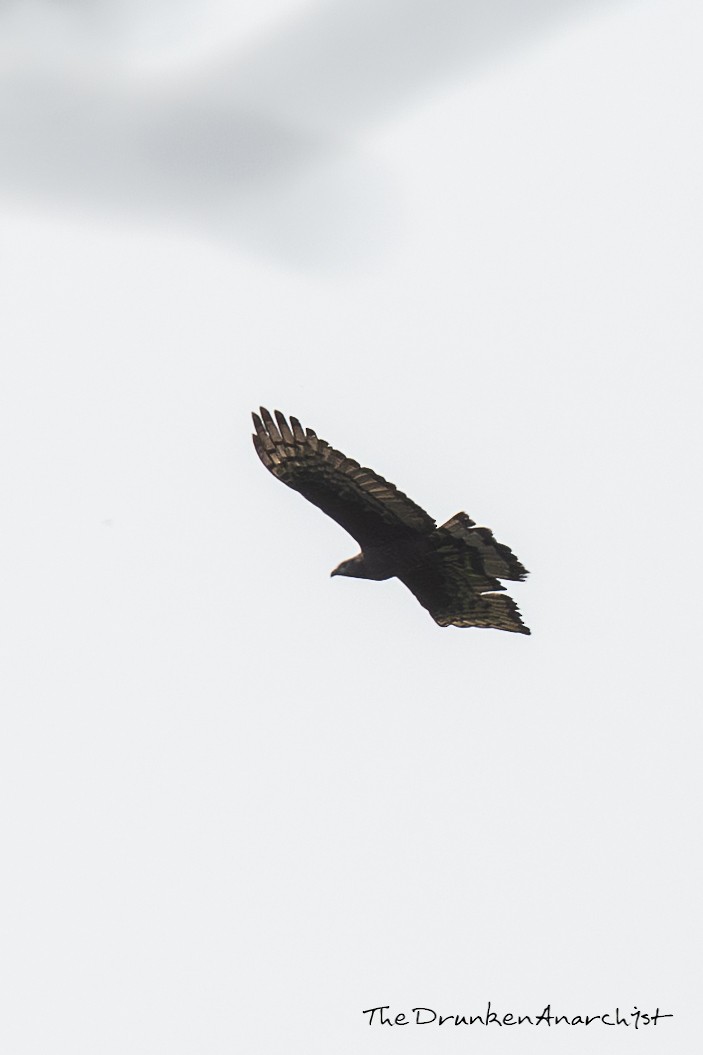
(260, 146)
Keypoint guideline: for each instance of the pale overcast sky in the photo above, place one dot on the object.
(244, 802)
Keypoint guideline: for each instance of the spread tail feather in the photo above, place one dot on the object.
(495, 558)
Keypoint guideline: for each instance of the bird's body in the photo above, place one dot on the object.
(386, 561)
(452, 570)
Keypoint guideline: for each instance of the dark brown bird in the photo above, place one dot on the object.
(453, 570)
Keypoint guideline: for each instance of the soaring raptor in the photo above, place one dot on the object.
(453, 570)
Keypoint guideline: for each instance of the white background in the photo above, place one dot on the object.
(243, 802)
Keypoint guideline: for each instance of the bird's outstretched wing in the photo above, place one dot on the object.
(372, 510)
(457, 580)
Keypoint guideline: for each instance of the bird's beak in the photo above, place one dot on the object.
(333, 573)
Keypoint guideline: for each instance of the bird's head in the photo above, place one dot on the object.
(352, 567)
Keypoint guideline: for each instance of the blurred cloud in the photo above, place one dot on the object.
(341, 66)
(258, 144)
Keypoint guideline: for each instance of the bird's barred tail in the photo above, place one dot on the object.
(492, 556)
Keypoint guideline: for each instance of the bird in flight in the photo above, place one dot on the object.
(453, 570)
